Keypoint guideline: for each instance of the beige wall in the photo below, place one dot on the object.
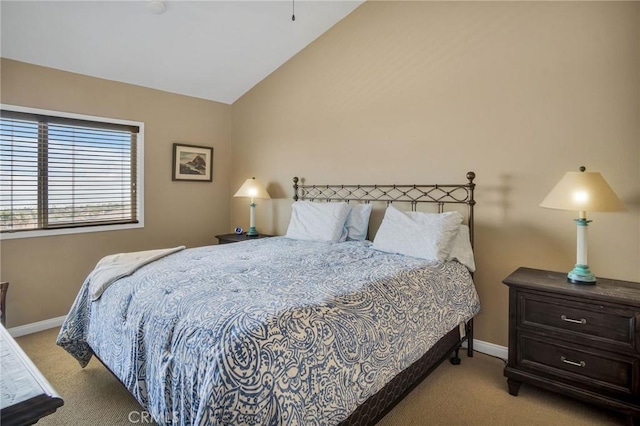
(415, 92)
(46, 273)
(422, 92)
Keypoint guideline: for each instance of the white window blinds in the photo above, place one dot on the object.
(58, 172)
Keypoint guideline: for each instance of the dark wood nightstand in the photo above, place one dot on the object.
(236, 238)
(3, 297)
(582, 341)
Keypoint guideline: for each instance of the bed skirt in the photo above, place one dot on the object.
(378, 405)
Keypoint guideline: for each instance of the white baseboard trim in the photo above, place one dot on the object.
(478, 345)
(35, 327)
(489, 348)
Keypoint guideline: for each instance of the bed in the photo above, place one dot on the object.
(283, 330)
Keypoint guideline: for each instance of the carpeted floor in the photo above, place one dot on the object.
(472, 393)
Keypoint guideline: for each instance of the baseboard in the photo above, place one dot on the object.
(478, 345)
(35, 327)
(489, 348)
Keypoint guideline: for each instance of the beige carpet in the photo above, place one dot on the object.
(472, 393)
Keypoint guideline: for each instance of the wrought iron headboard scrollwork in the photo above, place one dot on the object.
(439, 194)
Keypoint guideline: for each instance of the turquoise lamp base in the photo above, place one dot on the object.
(581, 275)
(252, 232)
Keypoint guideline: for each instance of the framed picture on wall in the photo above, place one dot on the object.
(192, 162)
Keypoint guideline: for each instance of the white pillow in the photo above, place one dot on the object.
(424, 235)
(358, 222)
(461, 249)
(318, 221)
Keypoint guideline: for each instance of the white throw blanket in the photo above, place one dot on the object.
(113, 267)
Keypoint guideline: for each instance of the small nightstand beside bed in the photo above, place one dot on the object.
(313, 327)
(582, 341)
(237, 238)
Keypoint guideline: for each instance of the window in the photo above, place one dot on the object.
(63, 173)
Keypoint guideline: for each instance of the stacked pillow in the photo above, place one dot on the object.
(462, 250)
(332, 222)
(430, 236)
(358, 222)
(424, 235)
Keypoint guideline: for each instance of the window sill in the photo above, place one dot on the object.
(66, 231)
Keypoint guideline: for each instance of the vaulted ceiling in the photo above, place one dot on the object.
(215, 50)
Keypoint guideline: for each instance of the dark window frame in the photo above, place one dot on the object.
(71, 223)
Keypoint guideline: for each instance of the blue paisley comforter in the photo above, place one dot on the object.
(271, 331)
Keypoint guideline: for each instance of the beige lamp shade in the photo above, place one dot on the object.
(252, 188)
(585, 192)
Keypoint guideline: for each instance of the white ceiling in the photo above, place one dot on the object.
(215, 50)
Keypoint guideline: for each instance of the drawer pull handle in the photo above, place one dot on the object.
(580, 321)
(577, 364)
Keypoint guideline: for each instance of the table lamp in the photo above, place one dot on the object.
(582, 191)
(252, 188)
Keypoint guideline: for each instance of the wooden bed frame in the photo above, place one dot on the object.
(378, 405)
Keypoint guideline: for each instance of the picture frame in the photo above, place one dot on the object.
(192, 163)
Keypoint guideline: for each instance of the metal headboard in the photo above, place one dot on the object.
(439, 194)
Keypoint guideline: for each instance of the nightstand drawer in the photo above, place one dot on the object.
(593, 320)
(598, 370)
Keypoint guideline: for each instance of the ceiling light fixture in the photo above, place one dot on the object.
(293, 10)
(156, 7)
